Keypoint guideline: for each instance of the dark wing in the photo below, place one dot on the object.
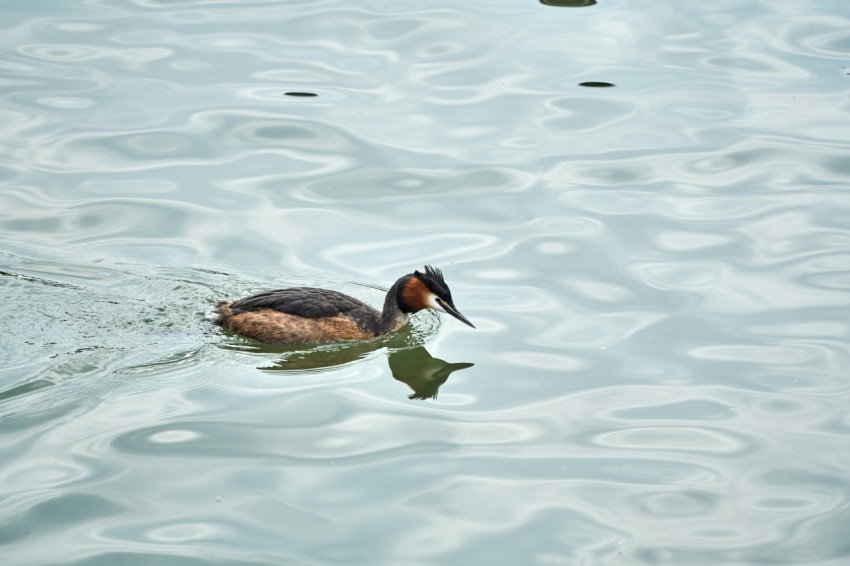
(302, 301)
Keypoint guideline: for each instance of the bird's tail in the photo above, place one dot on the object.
(221, 312)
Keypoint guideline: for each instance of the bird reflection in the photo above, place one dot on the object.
(414, 366)
(422, 372)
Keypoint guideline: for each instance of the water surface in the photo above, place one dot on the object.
(658, 272)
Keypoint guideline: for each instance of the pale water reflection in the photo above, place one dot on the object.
(658, 272)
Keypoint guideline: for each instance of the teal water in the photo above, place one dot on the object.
(658, 272)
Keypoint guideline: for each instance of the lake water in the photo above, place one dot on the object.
(658, 270)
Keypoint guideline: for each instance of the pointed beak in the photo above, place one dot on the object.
(450, 308)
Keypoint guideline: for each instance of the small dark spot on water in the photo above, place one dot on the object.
(596, 84)
(569, 3)
(305, 94)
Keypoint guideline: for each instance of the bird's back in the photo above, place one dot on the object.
(308, 302)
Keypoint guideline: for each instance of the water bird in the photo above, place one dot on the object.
(304, 315)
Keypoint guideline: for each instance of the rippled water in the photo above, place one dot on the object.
(658, 270)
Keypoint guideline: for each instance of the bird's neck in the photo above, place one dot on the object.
(392, 317)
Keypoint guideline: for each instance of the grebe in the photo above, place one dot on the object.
(301, 315)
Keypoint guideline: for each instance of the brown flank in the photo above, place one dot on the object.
(277, 327)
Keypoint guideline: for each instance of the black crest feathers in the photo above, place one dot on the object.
(433, 279)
